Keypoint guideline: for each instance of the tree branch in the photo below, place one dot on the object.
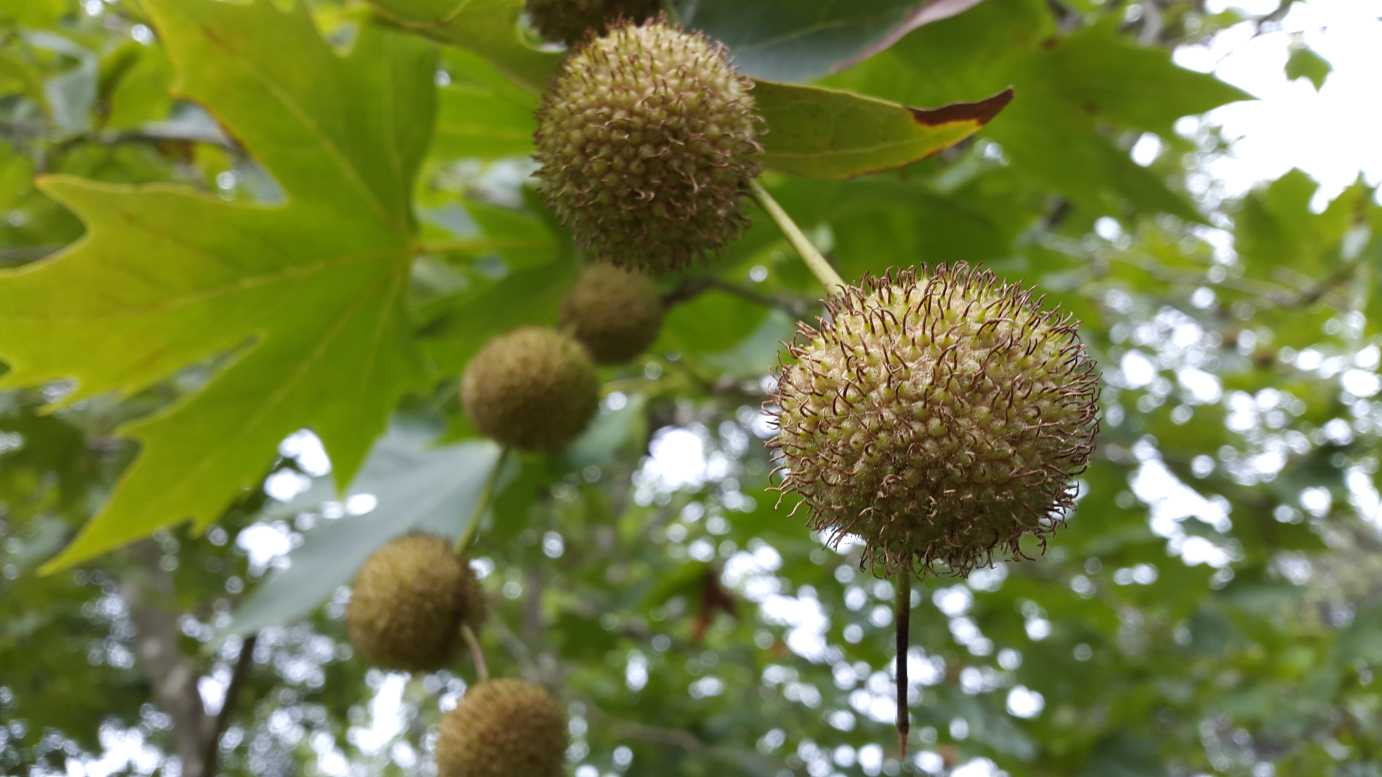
(211, 753)
(148, 592)
(795, 307)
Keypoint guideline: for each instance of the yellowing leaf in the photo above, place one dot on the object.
(303, 297)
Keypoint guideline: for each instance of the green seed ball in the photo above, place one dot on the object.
(937, 419)
(570, 21)
(615, 313)
(503, 728)
(533, 389)
(647, 145)
(409, 601)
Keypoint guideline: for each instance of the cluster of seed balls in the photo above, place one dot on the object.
(646, 145)
(532, 389)
(409, 605)
(938, 416)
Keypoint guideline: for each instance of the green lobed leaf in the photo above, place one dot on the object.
(1305, 63)
(482, 114)
(1051, 135)
(825, 133)
(1277, 236)
(1109, 77)
(489, 28)
(306, 295)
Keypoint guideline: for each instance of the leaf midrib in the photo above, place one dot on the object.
(203, 295)
(337, 155)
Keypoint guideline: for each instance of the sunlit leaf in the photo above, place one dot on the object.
(305, 295)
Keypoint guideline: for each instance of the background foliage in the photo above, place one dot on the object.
(354, 221)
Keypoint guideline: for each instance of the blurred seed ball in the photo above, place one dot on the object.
(646, 141)
(408, 603)
(533, 389)
(615, 313)
(938, 418)
(570, 21)
(503, 728)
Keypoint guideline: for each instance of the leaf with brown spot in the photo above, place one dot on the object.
(826, 133)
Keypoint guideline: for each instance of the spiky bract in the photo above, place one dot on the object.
(615, 313)
(408, 603)
(533, 389)
(503, 728)
(647, 146)
(570, 21)
(937, 418)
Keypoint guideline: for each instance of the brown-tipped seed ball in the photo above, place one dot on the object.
(409, 601)
(570, 21)
(533, 389)
(647, 146)
(615, 313)
(936, 418)
(503, 728)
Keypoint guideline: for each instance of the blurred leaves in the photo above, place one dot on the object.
(400, 479)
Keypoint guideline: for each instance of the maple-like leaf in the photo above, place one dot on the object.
(303, 298)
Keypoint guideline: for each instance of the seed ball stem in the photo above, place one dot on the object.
(477, 654)
(472, 527)
(902, 582)
(815, 262)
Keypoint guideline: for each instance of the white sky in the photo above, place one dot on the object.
(1333, 134)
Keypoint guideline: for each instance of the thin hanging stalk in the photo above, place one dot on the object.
(815, 262)
(903, 605)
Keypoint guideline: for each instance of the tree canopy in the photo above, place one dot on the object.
(249, 248)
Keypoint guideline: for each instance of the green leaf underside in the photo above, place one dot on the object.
(416, 488)
(825, 133)
(799, 41)
(307, 294)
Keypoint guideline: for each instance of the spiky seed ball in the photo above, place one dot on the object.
(937, 418)
(503, 728)
(408, 603)
(615, 313)
(533, 389)
(646, 140)
(570, 21)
